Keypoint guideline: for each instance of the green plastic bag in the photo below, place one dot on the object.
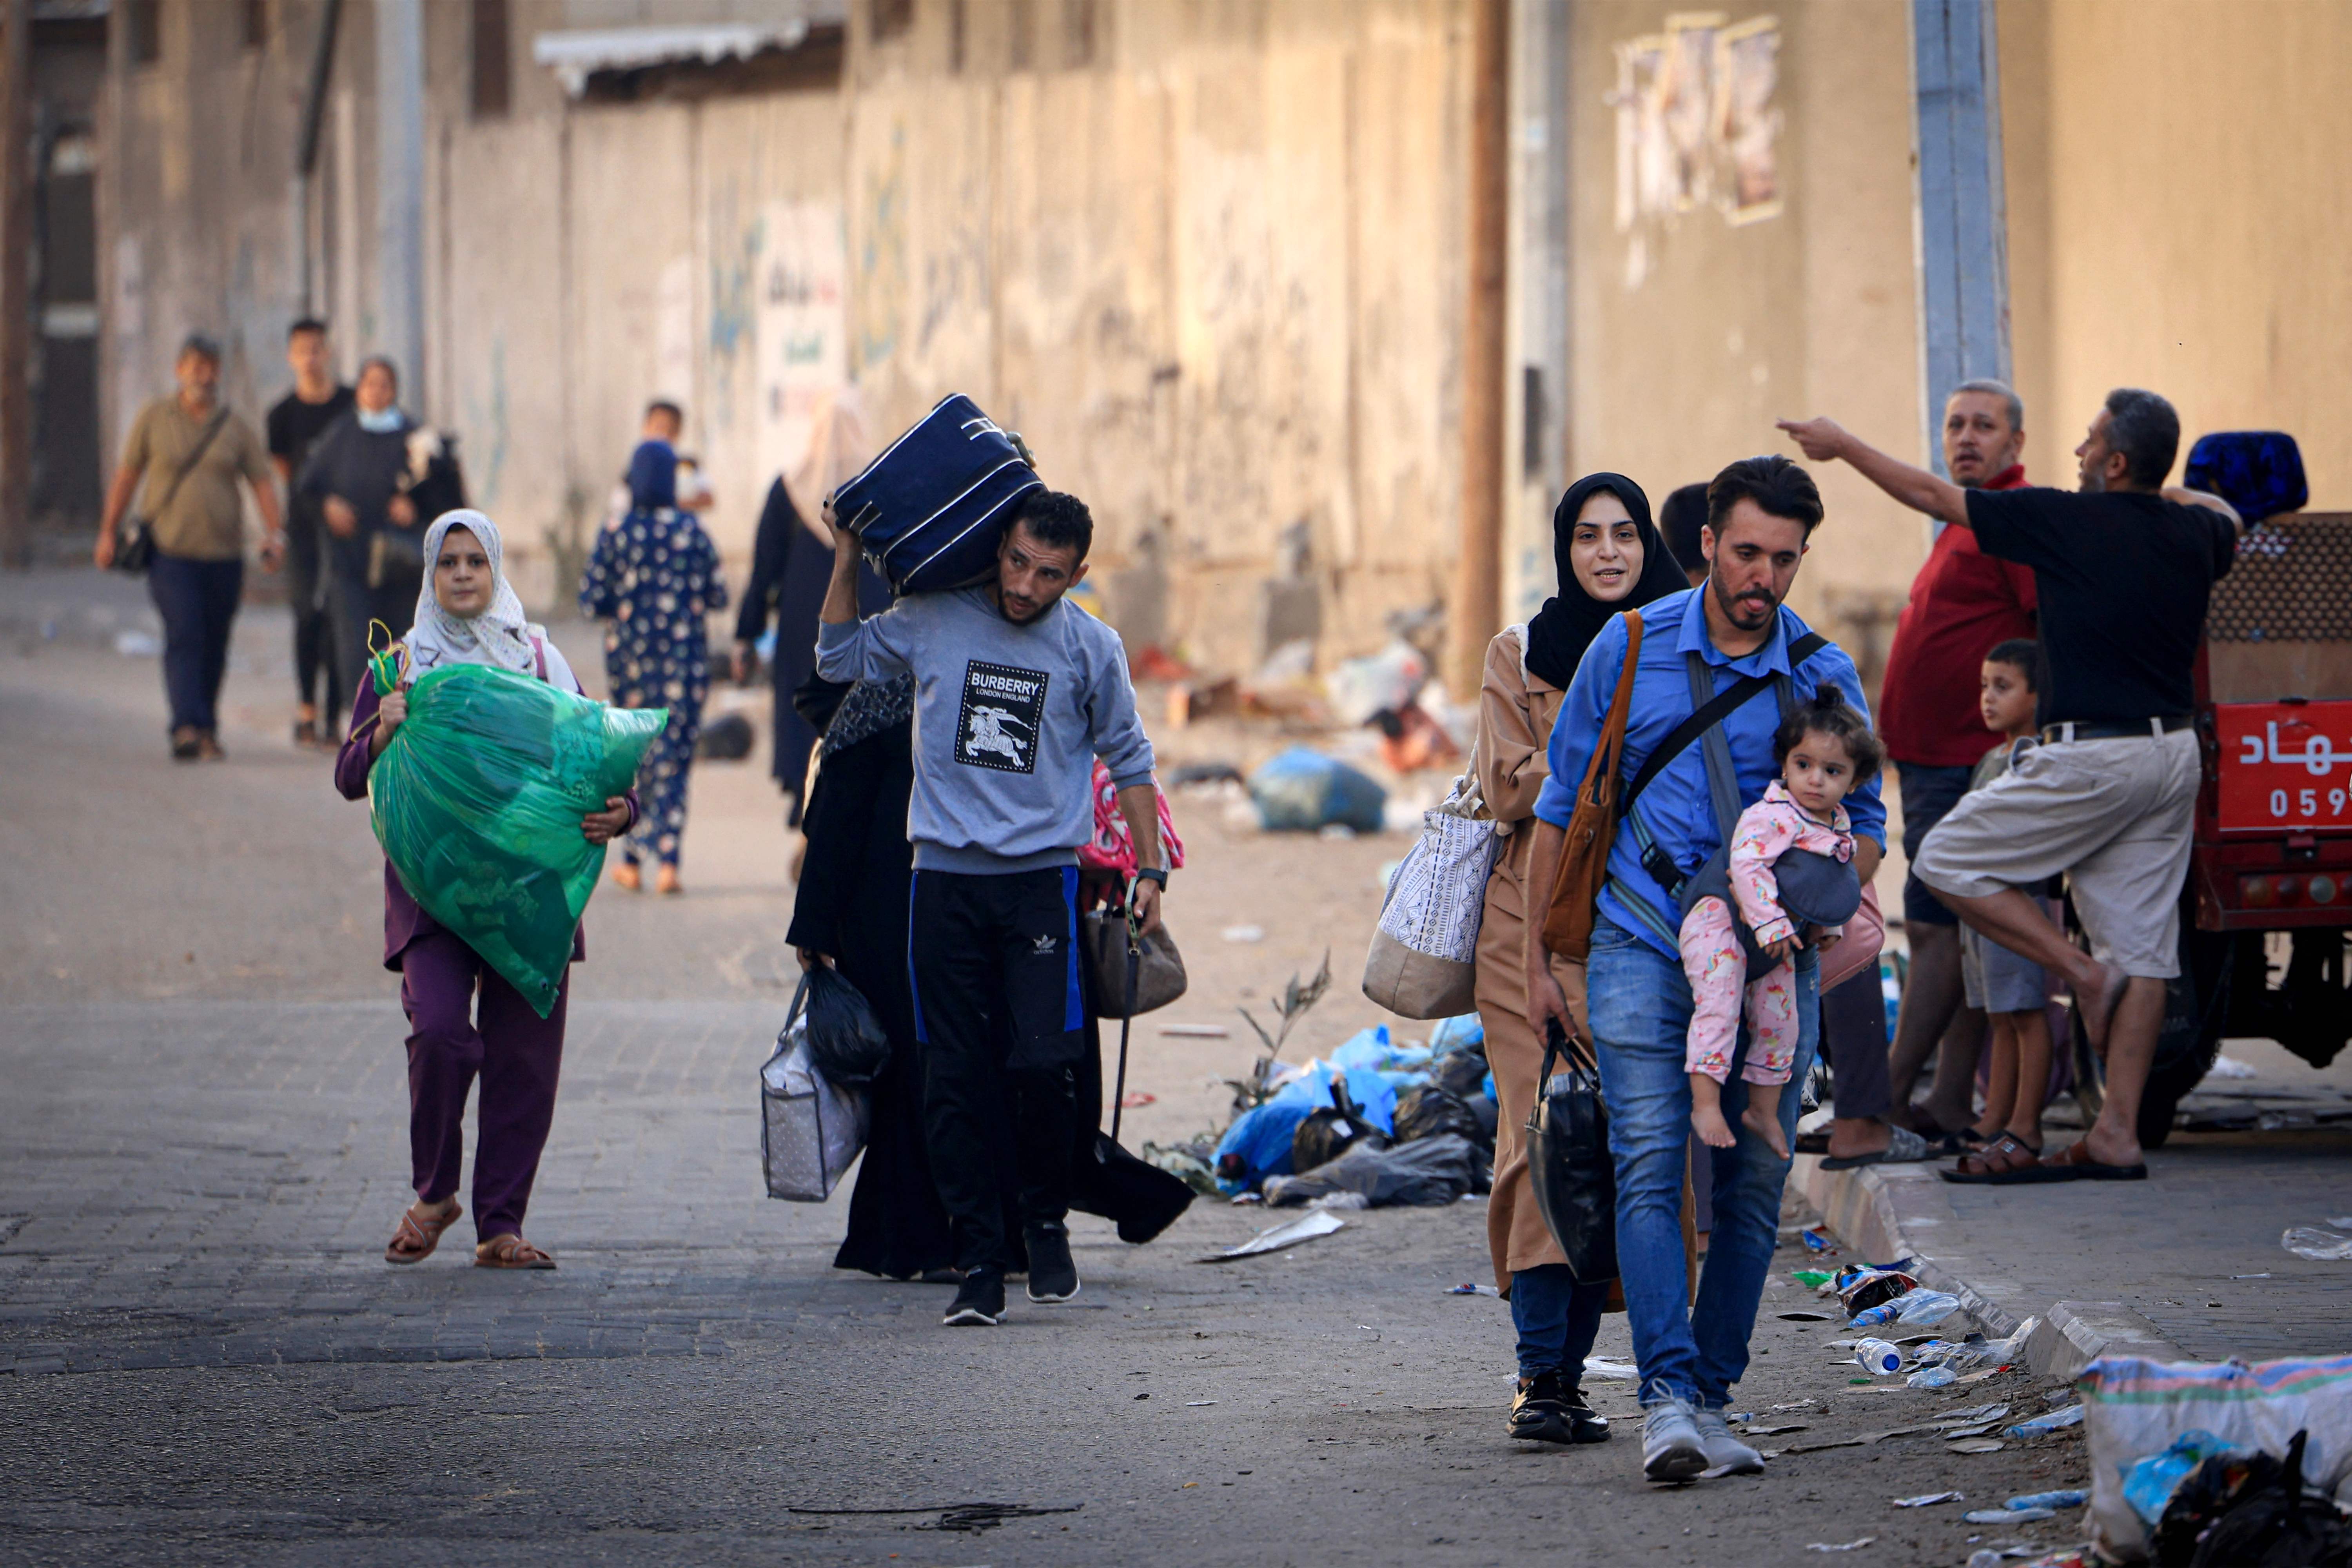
(478, 799)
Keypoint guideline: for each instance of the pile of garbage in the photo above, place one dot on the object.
(2198, 1463)
(1382, 1122)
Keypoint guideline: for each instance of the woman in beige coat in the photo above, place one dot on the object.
(1611, 559)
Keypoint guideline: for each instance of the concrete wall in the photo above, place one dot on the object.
(2197, 229)
(1692, 332)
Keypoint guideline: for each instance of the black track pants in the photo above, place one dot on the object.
(1000, 1018)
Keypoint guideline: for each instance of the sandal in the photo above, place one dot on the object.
(2076, 1161)
(415, 1240)
(2008, 1159)
(185, 745)
(510, 1251)
(1903, 1148)
(306, 736)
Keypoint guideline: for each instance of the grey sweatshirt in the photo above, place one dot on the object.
(1008, 722)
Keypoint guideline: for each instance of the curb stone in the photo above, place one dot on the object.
(1904, 1211)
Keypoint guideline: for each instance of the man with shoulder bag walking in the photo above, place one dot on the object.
(1717, 669)
(191, 449)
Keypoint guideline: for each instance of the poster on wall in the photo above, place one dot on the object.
(1747, 125)
(1696, 125)
(802, 326)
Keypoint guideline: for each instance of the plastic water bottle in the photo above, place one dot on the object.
(1879, 1358)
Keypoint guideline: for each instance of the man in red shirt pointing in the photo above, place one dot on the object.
(1963, 602)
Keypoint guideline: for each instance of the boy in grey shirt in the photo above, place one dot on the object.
(1015, 694)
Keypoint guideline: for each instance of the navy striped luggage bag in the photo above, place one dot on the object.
(931, 510)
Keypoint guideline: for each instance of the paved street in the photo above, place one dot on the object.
(203, 1359)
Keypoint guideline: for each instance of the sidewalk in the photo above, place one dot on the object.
(2184, 1266)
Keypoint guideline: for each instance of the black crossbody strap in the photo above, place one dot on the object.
(195, 454)
(1726, 701)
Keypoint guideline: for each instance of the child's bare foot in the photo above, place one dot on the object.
(1707, 1112)
(666, 880)
(626, 875)
(1762, 1117)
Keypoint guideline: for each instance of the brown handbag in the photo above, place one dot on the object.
(1592, 827)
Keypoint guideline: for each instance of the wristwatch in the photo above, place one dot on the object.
(1157, 873)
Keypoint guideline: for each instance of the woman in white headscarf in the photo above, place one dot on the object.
(467, 612)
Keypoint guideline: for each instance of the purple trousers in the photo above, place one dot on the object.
(515, 1052)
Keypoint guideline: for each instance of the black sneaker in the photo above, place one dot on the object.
(978, 1302)
(1548, 1408)
(1053, 1276)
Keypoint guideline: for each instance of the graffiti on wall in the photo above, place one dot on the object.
(802, 325)
(1696, 125)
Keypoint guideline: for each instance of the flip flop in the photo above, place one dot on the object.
(2006, 1161)
(1903, 1147)
(2076, 1158)
(422, 1236)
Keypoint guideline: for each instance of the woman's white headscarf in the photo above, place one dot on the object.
(497, 637)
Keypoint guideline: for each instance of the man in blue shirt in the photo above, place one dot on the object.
(1761, 513)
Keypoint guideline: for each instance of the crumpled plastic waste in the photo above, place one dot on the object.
(2318, 1245)
(1927, 1500)
(2071, 1497)
(1430, 1172)
(2150, 1484)
(1918, 1305)
(1304, 790)
(2042, 1425)
(1859, 1288)
(1258, 1143)
(2008, 1515)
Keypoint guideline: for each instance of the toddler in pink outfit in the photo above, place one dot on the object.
(1824, 750)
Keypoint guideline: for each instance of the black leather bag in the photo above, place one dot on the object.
(1569, 1162)
(135, 550)
(1160, 968)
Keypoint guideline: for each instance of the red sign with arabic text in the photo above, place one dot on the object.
(2286, 767)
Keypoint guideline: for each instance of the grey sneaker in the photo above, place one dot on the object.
(1724, 1453)
(1671, 1449)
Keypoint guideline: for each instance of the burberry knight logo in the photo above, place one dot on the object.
(1004, 708)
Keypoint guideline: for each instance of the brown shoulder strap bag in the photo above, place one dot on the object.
(1592, 827)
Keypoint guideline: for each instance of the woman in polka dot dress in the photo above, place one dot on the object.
(655, 579)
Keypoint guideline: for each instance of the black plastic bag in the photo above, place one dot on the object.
(845, 1037)
(1427, 1110)
(1330, 1130)
(1461, 1073)
(1569, 1162)
(1430, 1171)
(2250, 1511)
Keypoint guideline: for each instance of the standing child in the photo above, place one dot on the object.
(2011, 990)
(1824, 749)
(654, 577)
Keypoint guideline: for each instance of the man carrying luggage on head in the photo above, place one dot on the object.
(1015, 694)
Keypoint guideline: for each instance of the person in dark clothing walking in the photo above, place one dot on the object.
(296, 422)
(356, 476)
(791, 564)
(1015, 693)
(190, 451)
(849, 911)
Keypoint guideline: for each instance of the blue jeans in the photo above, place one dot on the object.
(198, 600)
(1558, 1320)
(1639, 1005)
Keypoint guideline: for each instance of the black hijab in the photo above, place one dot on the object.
(1566, 626)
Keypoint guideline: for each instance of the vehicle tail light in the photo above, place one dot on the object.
(2257, 893)
(2322, 890)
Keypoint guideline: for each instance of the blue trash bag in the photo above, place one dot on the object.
(2259, 472)
(1261, 1136)
(1371, 1050)
(1301, 791)
(1462, 1034)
